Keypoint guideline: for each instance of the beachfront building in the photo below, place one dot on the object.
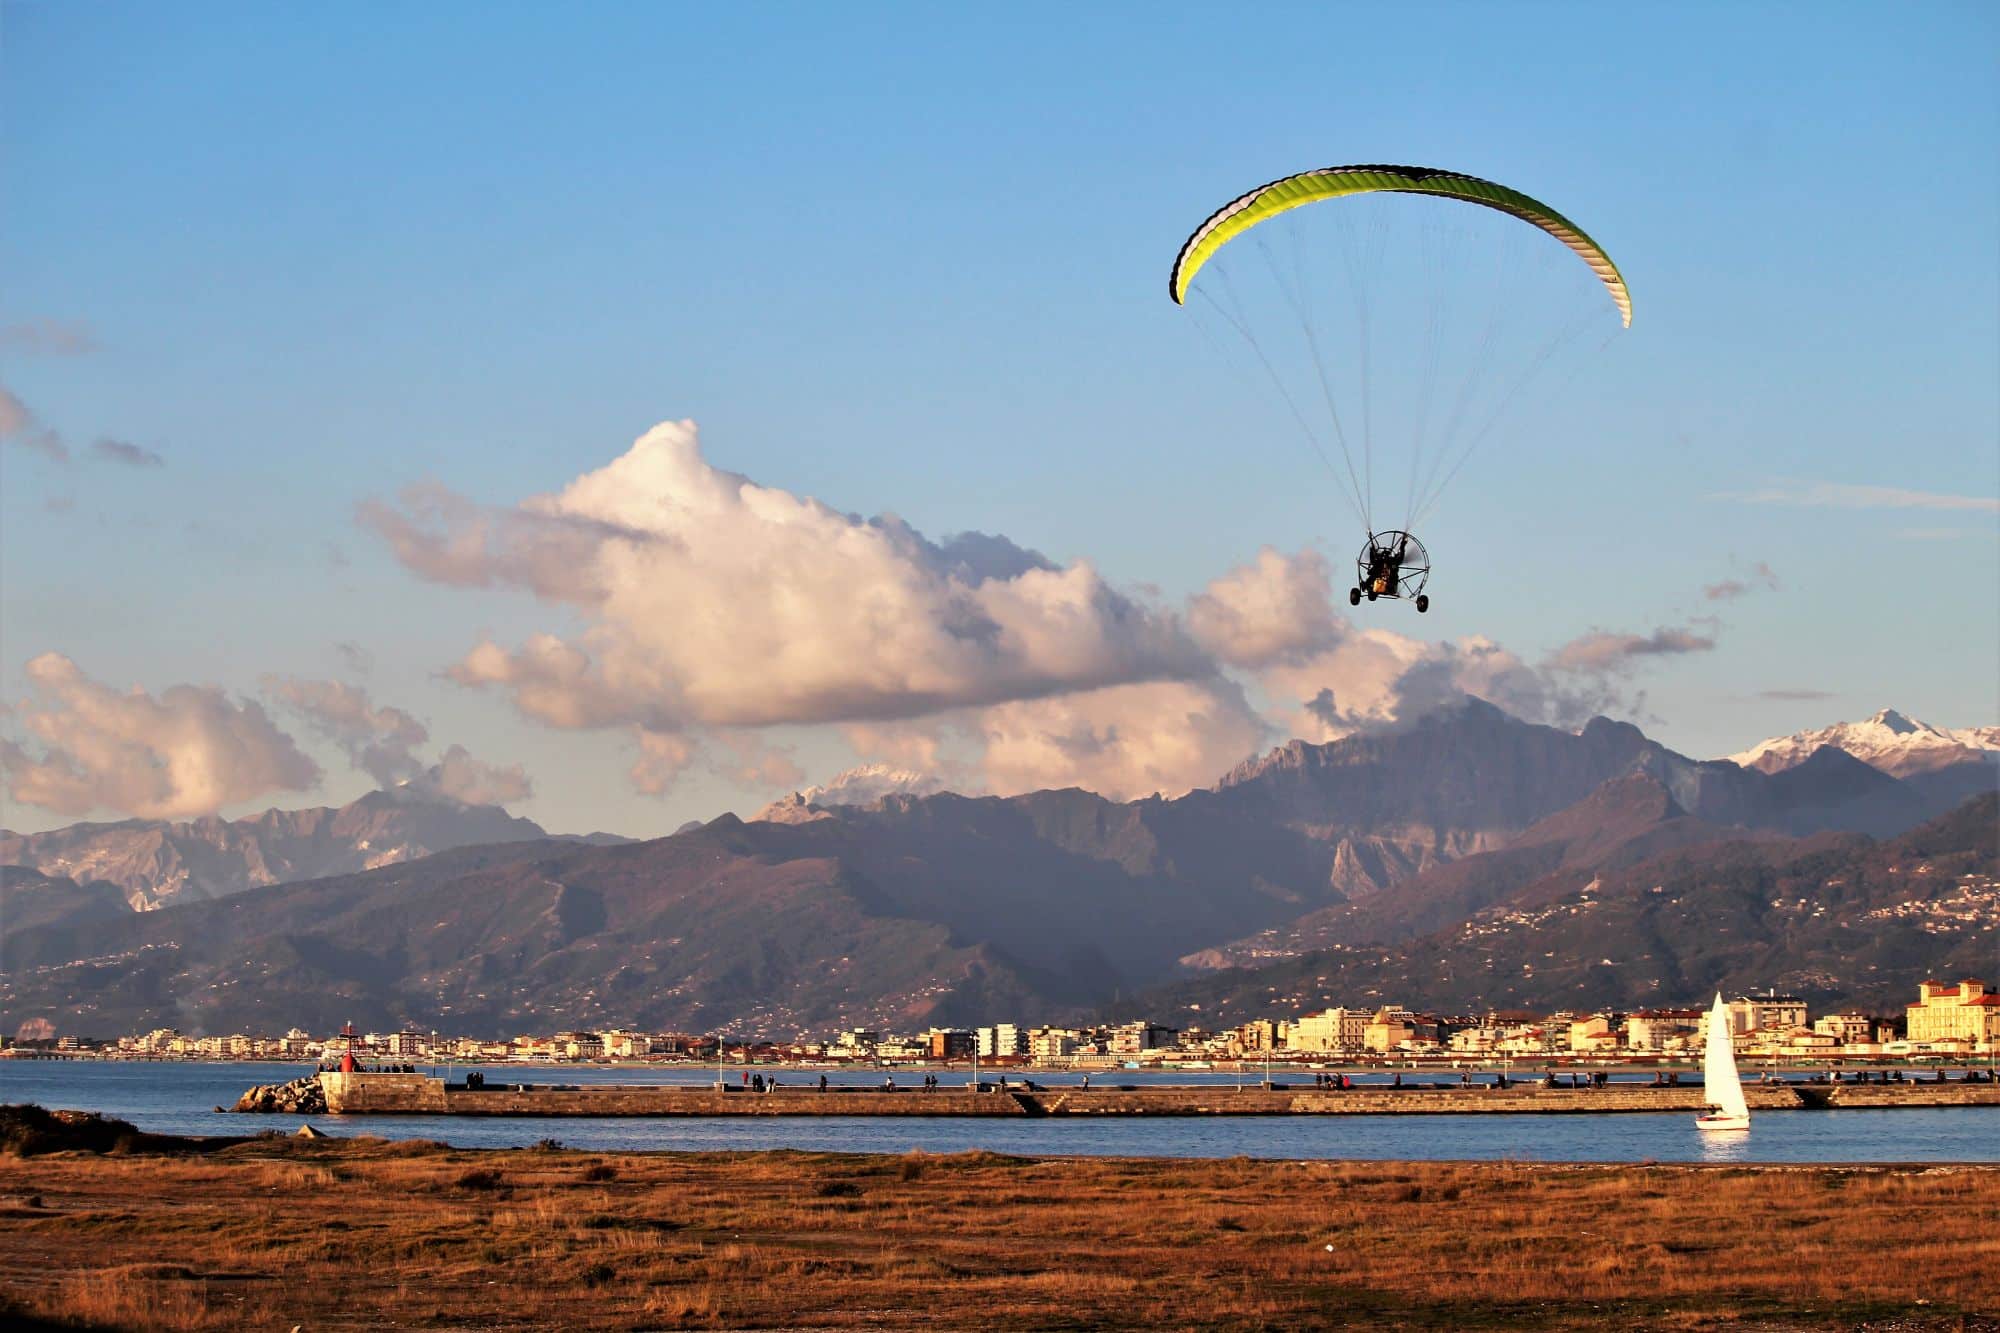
(1592, 1034)
(1002, 1041)
(1049, 1045)
(1478, 1040)
(1262, 1034)
(1964, 1011)
(1751, 1013)
(1132, 1039)
(1390, 1028)
(1339, 1029)
(1661, 1029)
(1850, 1027)
(949, 1044)
(622, 1045)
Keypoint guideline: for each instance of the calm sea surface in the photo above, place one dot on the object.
(178, 1098)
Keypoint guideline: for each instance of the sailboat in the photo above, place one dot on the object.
(1724, 1090)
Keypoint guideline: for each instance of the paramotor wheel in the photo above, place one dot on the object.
(1354, 596)
(1423, 602)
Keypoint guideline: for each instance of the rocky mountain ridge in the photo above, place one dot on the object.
(156, 863)
(1839, 919)
(937, 908)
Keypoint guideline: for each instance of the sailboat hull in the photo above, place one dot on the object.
(1722, 1122)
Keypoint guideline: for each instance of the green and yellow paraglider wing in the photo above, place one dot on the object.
(1309, 187)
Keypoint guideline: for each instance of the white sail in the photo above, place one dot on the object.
(1721, 1087)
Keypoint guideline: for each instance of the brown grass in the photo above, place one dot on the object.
(282, 1232)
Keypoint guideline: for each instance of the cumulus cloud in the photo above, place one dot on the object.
(1124, 741)
(1375, 679)
(1277, 609)
(714, 609)
(457, 776)
(713, 601)
(188, 751)
(663, 757)
(380, 741)
(120, 451)
(1835, 495)
(48, 337)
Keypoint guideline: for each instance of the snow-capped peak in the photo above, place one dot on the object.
(1891, 741)
(857, 786)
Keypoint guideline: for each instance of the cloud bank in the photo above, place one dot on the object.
(188, 751)
(714, 608)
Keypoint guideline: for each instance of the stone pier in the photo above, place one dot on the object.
(420, 1094)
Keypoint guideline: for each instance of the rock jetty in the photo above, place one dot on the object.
(302, 1096)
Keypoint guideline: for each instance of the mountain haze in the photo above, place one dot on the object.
(156, 863)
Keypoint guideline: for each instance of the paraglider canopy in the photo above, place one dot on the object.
(1398, 319)
(1289, 192)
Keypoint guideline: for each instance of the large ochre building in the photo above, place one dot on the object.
(1962, 1011)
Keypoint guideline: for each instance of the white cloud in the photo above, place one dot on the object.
(663, 757)
(459, 777)
(715, 609)
(189, 751)
(1835, 495)
(380, 741)
(1279, 608)
(1124, 741)
(714, 601)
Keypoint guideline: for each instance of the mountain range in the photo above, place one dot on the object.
(155, 863)
(914, 909)
(1666, 917)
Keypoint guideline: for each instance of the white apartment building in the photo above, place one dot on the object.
(1002, 1040)
(1330, 1030)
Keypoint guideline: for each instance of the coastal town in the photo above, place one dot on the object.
(1951, 1021)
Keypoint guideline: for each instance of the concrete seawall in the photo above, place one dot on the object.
(418, 1094)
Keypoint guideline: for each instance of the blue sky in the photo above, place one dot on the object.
(912, 261)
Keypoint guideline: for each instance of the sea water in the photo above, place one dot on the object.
(179, 1097)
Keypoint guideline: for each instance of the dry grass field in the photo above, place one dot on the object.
(276, 1232)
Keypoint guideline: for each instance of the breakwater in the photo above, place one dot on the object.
(421, 1094)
